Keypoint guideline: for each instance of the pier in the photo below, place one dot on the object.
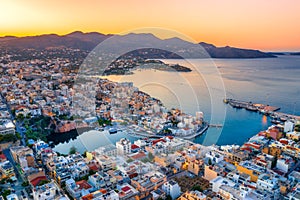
(265, 109)
(216, 125)
(284, 116)
(278, 117)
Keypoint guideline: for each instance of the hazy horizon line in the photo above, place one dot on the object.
(162, 38)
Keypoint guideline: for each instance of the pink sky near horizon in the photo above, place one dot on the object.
(257, 24)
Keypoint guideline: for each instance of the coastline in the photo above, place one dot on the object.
(254, 119)
(199, 132)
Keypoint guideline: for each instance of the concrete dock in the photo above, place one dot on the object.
(266, 109)
(262, 108)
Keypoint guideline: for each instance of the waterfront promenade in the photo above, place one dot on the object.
(139, 132)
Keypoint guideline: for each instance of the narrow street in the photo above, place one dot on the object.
(11, 160)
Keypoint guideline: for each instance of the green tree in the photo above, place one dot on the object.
(145, 160)
(25, 184)
(20, 117)
(197, 187)
(297, 128)
(63, 117)
(104, 122)
(72, 150)
(92, 172)
(3, 181)
(5, 193)
(7, 138)
(43, 182)
(150, 156)
(18, 135)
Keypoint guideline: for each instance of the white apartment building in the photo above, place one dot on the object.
(171, 188)
(123, 146)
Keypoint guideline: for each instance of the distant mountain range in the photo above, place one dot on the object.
(75, 40)
(88, 41)
(232, 52)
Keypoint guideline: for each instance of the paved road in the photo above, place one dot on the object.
(17, 186)
(11, 160)
(17, 124)
(22, 132)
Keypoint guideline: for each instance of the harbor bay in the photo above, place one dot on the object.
(248, 85)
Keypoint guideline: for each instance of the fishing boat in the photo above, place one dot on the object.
(235, 105)
(264, 112)
(283, 119)
(274, 121)
(251, 108)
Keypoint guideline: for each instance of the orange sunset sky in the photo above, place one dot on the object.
(259, 24)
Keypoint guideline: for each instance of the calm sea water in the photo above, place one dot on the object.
(273, 81)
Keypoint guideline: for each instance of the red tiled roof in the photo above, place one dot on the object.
(37, 180)
(273, 130)
(158, 140)
(251, 186)
(83, 184)
(253, 145)
(283, 141)
(47, 150)
(134, 146)
(87, 197)
(138, 155)
(291, 147)
(246, 149)
(133, 175)
(2, 157)
(126, 188)
(103, 191)
(260, 160)
(93, 167)
(20, 107)
(262, 133)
